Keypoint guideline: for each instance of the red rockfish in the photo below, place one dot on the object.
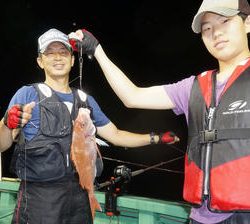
(84, 153)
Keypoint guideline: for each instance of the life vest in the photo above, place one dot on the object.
(217, 162)
(46, 157)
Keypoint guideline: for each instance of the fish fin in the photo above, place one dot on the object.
(101, 142)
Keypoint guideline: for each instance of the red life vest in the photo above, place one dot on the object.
(218, 151)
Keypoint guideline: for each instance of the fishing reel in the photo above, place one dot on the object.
(122, 175)
(123, 172)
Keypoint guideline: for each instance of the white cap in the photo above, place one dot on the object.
(52, 35)
(222, 7)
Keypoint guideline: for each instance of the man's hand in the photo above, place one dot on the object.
(18, 115)
(86, 40)
(168, 137)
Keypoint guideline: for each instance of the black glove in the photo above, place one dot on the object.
(88, 43)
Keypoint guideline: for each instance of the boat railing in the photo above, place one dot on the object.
(132, 209)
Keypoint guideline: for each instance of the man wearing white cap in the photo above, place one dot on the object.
(216, 106)
(43, 113)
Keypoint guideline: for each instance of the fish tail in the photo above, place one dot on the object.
(94, 205)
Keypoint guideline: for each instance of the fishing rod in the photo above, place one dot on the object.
(134, 173)
(122, 172)
(143, 165)
(122, 175)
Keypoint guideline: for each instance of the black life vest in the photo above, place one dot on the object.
(228, 136)
(46, 157)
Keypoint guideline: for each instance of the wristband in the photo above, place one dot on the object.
(152, 138)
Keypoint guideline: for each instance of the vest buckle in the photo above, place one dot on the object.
(208, 136)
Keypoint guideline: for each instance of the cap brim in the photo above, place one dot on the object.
(66, 44)
(196, 24)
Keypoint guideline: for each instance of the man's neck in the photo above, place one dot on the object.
(59, 85)
(227, 69)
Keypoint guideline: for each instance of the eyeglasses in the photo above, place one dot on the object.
(53, 53)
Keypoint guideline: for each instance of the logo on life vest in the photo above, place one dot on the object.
(236, 107)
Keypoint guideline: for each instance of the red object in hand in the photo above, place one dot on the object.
(88, 44)
(13, 116)
(167, 137)
(73, 43)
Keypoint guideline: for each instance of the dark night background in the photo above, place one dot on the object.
(151, 41)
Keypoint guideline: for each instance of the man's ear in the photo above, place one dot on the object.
(39, 62)
(247, 24)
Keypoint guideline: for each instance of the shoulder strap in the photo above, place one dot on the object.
(43, 90)
(81, 98)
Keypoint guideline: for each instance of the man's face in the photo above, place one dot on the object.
(56, 60)
(224, 37)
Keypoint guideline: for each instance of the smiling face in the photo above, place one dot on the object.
(225, 37)
(56, 60)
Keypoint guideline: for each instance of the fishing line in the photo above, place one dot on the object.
(145, 166)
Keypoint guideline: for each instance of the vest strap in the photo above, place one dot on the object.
(223, 134)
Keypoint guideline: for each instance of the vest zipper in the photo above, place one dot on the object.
(208, 152)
